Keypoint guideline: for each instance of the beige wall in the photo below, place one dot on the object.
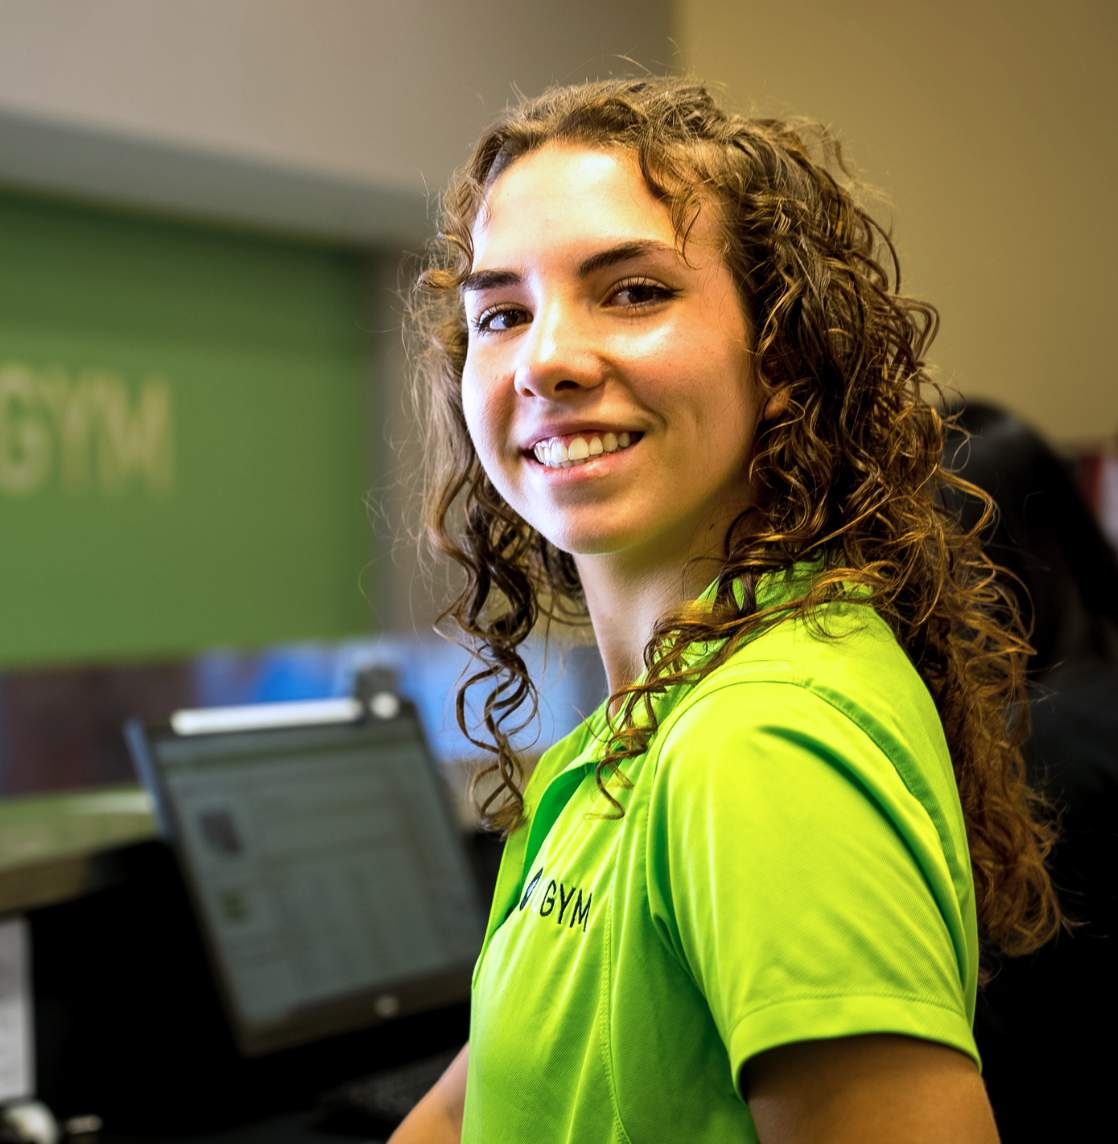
(992, 128)
(332, 117)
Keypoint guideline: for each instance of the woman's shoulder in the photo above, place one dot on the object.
(843, 647)
(795, 708)
(841, 675)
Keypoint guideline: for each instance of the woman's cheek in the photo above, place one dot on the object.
(472, 408)
(488, 428)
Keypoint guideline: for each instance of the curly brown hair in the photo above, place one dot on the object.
(850, 475)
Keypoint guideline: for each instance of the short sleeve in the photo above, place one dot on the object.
(800, 882)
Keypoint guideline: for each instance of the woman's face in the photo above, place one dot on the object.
(586, 324)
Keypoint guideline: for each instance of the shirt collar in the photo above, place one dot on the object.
(772, 587)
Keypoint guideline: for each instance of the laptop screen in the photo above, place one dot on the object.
(328, 874)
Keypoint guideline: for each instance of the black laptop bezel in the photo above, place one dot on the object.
(345, 1013)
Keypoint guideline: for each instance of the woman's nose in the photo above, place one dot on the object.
(558, 352)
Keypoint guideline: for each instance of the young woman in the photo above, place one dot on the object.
(669, 388)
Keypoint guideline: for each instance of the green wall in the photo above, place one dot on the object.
(184, 430)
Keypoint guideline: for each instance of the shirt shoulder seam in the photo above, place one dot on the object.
(693, 701)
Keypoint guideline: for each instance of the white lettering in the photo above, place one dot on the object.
(70, 407)
(25, 452)
(50, 425)
(135, 438)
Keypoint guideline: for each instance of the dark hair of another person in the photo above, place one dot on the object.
(1061, 566)
(849, 474)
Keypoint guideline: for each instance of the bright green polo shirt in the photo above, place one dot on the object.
(792, 864)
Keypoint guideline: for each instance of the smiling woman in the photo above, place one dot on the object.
(587, 321)
(670, 389)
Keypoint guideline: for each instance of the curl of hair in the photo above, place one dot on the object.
(850, 474)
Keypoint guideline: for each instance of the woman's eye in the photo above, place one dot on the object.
(641, 292)
(498, 318)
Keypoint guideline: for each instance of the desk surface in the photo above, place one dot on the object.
(57, 847)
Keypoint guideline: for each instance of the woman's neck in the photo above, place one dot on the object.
(624, 606)
(628, 590)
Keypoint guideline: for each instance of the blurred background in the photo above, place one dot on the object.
(204, 209)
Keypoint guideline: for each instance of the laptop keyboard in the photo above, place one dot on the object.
(382, 1099)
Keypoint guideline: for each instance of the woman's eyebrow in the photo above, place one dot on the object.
(600, 260)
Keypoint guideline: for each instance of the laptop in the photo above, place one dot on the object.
(326, 869)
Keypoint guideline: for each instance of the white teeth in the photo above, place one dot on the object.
(557, 454)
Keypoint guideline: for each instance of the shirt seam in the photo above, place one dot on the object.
(731, 672)
(693, 701)
(836, 994)
(605, 1009)
(688, 704)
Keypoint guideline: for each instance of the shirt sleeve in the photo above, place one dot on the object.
(800, 882)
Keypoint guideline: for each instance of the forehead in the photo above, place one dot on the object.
(563, 196)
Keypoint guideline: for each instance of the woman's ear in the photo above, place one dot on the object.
(777, 403)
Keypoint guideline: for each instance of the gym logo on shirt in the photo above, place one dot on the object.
(564, 904)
